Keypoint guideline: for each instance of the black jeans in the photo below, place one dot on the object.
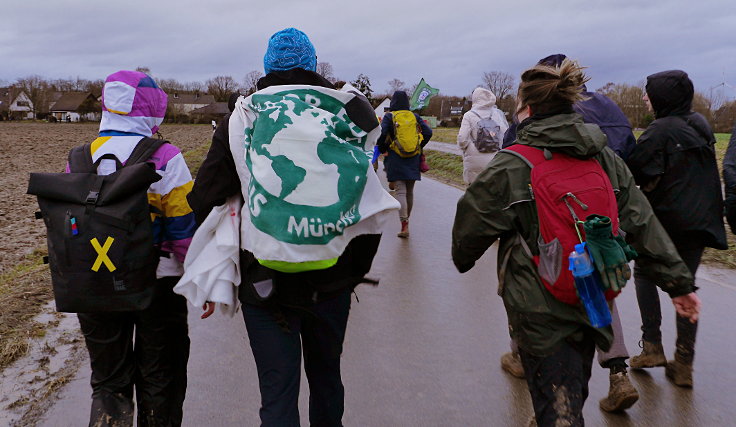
(558, 383)
(647, 296)
(319, 334)
(146, 349)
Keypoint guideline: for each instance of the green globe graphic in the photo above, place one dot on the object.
(308, 166)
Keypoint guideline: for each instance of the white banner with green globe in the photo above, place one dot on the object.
(305, 168)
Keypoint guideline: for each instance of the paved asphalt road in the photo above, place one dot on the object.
(423, 349)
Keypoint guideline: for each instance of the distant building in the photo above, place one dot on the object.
(383, 106)
(75, 107)
(185, 103)
(15, 104)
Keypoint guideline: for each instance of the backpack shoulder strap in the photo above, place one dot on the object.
(145, 148)
(80, 159)
(530, 155)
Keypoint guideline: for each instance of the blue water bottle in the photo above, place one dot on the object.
(589, 288)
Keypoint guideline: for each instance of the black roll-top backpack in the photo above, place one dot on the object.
(100, 237)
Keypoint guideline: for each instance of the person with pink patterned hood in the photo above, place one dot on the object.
(145, 350)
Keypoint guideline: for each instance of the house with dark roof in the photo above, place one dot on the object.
(75, 107)
(15, 104)
(185, 103)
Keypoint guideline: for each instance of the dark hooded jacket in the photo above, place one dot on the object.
(729, 180)
(674, 162)
(217, 179)
(400, 168)
(498, 205)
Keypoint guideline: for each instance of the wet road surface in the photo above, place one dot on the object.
(423, 349)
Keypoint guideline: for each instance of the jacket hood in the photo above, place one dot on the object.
(670, 92)
(565, 133)
(400, 101)
(483, 99)
(132, 102)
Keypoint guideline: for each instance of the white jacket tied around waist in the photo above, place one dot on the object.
(212, 265)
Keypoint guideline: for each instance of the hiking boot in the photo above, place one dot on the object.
(621, 393)
(404, 229)
(679, 373)
(652, 355)
(511, 363)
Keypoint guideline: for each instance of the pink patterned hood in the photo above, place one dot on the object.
(132, 102)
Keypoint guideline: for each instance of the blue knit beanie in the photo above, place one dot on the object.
(287, 49)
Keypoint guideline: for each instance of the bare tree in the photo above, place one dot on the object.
(35, 88)
(222, 87)
(629, 100)
(250, 82)
(500, 83)
(194, 86)
(325, 70)
(396, 84)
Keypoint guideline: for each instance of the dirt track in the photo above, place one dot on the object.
(42, 147)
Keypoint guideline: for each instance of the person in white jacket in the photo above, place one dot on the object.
(484, 106)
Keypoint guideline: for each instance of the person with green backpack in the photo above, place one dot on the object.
(403, 135)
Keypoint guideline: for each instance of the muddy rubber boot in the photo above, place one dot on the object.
(404, 229)
(652, 355)
(621, 393)
(680, 373)
(511, 363)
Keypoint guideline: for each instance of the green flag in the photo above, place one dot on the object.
(422, 94)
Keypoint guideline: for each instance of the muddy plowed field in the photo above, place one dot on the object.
(42, 147)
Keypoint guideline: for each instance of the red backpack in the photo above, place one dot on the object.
(566, 189)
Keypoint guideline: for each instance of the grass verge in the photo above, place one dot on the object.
(445, 167)
(23, 291)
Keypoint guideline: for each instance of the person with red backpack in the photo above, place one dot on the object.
(403, 135)
(534, 198)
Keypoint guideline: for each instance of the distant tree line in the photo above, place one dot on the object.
(720, 112)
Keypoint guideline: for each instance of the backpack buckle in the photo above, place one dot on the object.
(92, 197)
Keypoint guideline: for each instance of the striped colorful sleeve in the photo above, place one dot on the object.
(176, 221)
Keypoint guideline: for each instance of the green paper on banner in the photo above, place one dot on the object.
(422, 94)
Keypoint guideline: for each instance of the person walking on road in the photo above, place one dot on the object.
(481, 133)
(556, 340)
(729, 180)
(599, 110)
(674, 163)
(147, 350)
(403, 135)
(297, 151)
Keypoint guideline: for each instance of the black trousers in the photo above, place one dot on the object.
(278, 338)
(147, 350)
(647, 295)
(558, 383)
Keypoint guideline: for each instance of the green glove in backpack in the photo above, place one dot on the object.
(610, 253)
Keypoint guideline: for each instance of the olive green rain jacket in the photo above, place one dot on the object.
(498, 205)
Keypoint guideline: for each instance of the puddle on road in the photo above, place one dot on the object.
(28, 386)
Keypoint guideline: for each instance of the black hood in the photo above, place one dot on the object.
(670, 92)
(400, 101)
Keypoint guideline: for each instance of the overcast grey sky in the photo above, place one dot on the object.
(449, 43)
